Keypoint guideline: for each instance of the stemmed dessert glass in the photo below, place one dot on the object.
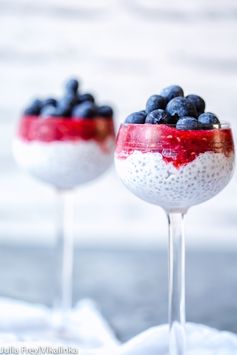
(175, 169)
(65, 153)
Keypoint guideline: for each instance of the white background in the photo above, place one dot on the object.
(123, 51)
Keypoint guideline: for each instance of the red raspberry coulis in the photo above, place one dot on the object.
(176, 146)
(34, 128)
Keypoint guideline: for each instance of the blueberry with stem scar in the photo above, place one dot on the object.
(188, 123)
(157, 117)
(180, 107)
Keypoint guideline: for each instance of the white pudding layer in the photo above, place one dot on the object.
(64, 164)
(152, 179)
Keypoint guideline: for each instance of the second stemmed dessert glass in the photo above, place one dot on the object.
(175, 169)
(65, 153)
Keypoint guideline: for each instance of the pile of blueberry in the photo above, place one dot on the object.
(73, 104)
(171, 107)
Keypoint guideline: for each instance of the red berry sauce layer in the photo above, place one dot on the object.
(33, 128)
(176, 146)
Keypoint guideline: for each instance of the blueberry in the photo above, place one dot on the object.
(86, 97)
(72, 85)
(187, 123)
(49, 111)
(180, 107)
(37, 103)
(171, 92)
(84, 110)
(50, 101)
(136, 117)
(198, 102)
(34, 108)
(143, 112)
(158, 116)
(64, 109)
(208, 119)
(70, 99)
(31, 110)
(155, 102)
(105, 111)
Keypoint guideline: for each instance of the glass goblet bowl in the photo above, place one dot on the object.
(64, 152)
(173, 168)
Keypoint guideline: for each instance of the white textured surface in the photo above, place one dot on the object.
(33, 325)
(28, 325)
(201, 340)
(64, 164)
(99, 339)
(149, 177)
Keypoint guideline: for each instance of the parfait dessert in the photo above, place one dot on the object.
(175, 155)
(174, 168)
(65, 142)
(68, 142)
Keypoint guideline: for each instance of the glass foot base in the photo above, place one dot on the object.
(201, 340)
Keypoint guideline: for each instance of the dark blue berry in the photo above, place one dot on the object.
(180, 107)
(84, 110)
(37, 103)
(72, 85)
(70, 99)
(171, 92)
(34, 108)
(198, 102)
(157, 117)
(187, 123)
(31, 110)
(64, 109)
(50, 101)
(49, 111)
(105, 111)
(136, 117)
(208, 119)
(155, 102)
(86, 97)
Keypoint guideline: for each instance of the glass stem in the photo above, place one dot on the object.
(176, 284)
(64, 252)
